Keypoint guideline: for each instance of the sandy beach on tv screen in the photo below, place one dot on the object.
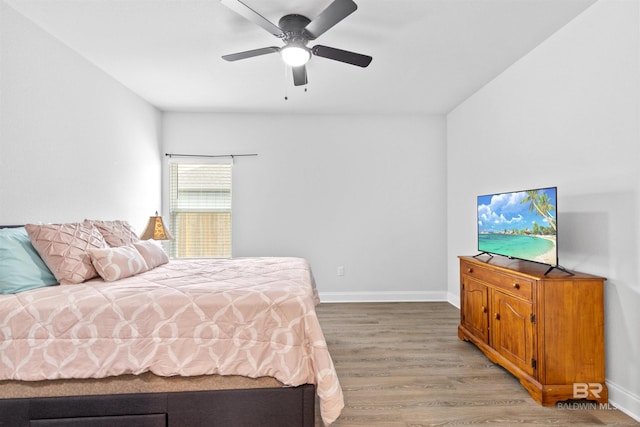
(548, 257)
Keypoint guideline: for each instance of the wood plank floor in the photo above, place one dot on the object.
(402, 364)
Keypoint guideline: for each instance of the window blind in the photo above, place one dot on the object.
(200, 209)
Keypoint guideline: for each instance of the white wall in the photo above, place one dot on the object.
(363, 192)
(567, 114)
(74, 143)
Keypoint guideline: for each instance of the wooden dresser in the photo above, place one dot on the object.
(547, 330)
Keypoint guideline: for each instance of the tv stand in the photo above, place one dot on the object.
(551, 267)
(484, 253)
(547, 330)
(559, 267)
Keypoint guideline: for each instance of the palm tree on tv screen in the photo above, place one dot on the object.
(540, 203)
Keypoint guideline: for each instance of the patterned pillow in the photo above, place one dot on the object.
(116, 233)
(117, 263)
(152, 253)
(63, 247)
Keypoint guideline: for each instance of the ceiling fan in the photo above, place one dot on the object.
(296, 31)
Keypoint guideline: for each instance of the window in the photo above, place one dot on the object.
(200, 209)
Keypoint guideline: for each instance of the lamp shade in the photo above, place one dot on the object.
(156, 229)
(295, 55)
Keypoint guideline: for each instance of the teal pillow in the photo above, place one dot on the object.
(21, 268)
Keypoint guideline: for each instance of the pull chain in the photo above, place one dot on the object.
(286, 86)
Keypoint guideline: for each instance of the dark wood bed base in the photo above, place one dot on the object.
(266, 407)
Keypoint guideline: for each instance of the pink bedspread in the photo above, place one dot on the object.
(247, 316)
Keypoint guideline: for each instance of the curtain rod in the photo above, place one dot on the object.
(206, 155)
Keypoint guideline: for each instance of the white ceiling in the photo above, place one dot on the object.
(428, 55)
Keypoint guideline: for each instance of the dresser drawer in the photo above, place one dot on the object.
(149, 420)
(514, 285)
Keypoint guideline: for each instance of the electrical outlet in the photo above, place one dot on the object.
(340, 270)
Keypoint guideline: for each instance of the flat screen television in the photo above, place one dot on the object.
(520, 224)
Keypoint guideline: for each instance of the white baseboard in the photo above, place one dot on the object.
(454, 299)
(624, 400)
(400, 296)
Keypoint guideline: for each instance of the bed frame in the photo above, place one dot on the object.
(270, 407)
(250, 407)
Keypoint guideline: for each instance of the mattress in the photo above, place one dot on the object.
(130, 384)
(252, 317)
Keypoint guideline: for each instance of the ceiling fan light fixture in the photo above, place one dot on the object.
(295, 56)
(295, 31)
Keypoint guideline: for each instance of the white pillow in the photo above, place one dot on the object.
(152, 253)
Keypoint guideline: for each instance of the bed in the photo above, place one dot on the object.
(186, 342)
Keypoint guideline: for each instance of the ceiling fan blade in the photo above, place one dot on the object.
(334, 13)
(342, 55)
(245, 11)
(299, 75)
(250, 53)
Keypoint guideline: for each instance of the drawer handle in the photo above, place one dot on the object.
(484, 309)
(469, 270)
(497, 316)
(516, 286)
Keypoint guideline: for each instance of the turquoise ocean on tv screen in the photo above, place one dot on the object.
(518, 246)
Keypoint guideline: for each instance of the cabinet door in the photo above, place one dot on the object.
(474, 313)
(513, 331)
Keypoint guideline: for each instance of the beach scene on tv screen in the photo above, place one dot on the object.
(519, 224)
